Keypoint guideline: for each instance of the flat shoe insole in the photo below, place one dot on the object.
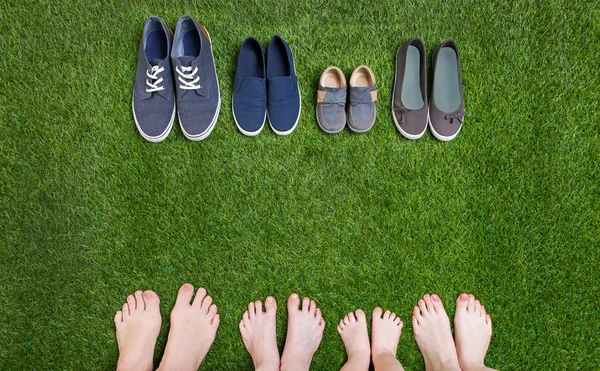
(251, 65)
(156, 45)
(191, 43)
(411, 87)
(446, 91)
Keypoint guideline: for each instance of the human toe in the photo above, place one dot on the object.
(462, 302)
(438, 306)
(151, 301)
(270, 305)
(184, 295)
(293, 302)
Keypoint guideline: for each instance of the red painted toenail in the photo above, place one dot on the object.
(464, 297)
(435, 298)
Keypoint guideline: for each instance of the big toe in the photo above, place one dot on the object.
(293, 302)
(270, 305)
(377, 313)
(360, 315)
(184, 295)
(152, 301)
(461, 302)
(438, 306)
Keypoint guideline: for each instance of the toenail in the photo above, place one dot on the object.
(188, 288)
(435, 298)
(294, 296)
(464, 297)
(270, 300)
(149, 295)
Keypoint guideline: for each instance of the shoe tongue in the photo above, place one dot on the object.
(186, 61)
(155, 62)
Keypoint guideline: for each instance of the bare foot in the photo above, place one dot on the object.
(304, 334)
(472, 331)
(353, 330)
(385, 334)
(138, 325)
(431, 326)
(258, 334)
(193, 330)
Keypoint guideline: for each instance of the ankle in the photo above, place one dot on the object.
(272, 365)
(294, 363)
(360, 358)
(472, 366)
(124, 365)
(381, 355)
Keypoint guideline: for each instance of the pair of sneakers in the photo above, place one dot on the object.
(411, 111)
(262, 82)
(175, 74)
(359, 113)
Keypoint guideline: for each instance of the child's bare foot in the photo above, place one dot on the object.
(353, 330)
(472, 331)
(138, 325)
(304, 334)
(193, 330)
(385, 334)
(258, 334)
(431, 326)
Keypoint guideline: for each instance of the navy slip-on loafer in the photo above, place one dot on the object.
(283, 93)
(249, 101)
(153, 101)
(196, 83)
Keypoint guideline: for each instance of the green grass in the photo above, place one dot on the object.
(509, 211)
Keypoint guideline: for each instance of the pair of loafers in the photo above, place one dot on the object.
(262, 83)
(175, 74)
(333, 113)
(411, 110)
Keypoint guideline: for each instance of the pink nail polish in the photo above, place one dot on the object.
(435, 298)
(464, 297)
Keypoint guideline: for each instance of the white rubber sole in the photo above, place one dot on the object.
(439, 136)
(247, 133)
(295, 124)
(160, 137)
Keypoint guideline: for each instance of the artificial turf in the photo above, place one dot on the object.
(508, 211)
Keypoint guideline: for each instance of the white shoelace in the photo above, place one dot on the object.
(188, 85)
(153, 74)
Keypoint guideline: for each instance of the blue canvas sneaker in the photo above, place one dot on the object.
(196, 84)
(153, 100)
(283, 90)
(249, 99)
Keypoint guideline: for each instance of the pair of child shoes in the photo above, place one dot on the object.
(338, 104)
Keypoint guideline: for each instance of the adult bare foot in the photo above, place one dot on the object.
(258, 334)
(138, 325)
(385, 334)
(353, 330)
(472, 331)
(304, 334)
(431, 327)
(193, 330)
